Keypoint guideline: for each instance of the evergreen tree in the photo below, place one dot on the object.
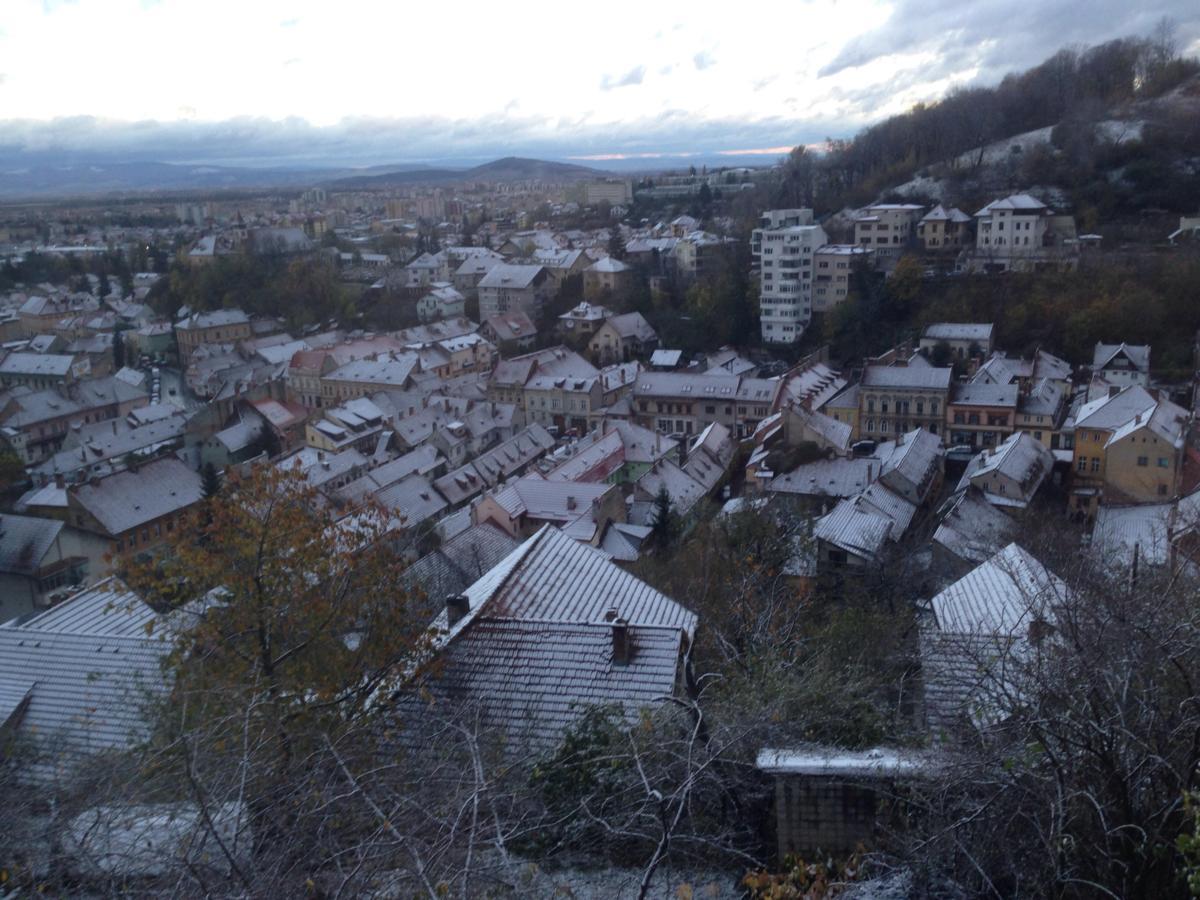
(210, 480)
(118, 351)
(663, 526)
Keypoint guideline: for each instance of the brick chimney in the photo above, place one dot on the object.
(457, 606)
(620, 641)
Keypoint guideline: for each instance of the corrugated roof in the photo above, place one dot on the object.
(531, 679)
(88, 691)
(108, 608)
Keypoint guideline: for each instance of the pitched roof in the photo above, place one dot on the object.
(855, 527)
(533, 679)
(107, 608)
(128, 499)
(553, 578)
(85, 693)
(973, 529)
(999, 596)
(25, 541)
(511, 276)
(632, 325)
(913, 377)
(1137, 354)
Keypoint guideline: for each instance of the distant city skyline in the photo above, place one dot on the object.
(306, 83)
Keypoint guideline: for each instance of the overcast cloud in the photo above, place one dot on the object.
(307, 82)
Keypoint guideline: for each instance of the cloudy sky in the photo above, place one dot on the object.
(349, 82)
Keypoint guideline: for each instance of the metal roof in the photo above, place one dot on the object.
(88, 692)
(107, 608)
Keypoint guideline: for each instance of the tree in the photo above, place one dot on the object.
(303, 621)
(616, 246)
(118, 350)
(12, 470)
(104, 287)
(664, 525)
(210, 480)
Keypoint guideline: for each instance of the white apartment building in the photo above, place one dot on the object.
(784, 247)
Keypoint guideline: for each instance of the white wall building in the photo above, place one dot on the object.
(784, 247)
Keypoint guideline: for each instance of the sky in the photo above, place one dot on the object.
(347, 82)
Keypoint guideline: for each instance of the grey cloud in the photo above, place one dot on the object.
(703, 60)
(994, 36)
(633, 76)
(372, 141)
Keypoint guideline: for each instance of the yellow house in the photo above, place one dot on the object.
(1128, 448)
(844, 408)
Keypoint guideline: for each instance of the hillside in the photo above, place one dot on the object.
(1114, 127)
(510, 168)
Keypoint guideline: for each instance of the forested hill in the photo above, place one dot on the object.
(1075, 95)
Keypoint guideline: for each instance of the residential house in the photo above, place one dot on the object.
(509, 288)
(622, 338)
(844, 407)
(498, 658)
(220, 326)
(834, 264)
(442, 302)
(39, 558)
(391, 371)
(1122, 364)
(1150, 534)
(1010, 474)
(944, 230)
(970, 531)
(887, 228)
(583, 320)
(513, 330)
(581, 509)
(894, 399)
(911, 466)
(1128, 447)
(965, 340)
(356, 423)
(854, 534)
(606, 277)
(980, 414)
(507, 459)
(41, 370)
(136, 511)
(616, 452)
(1042, 411)
(1019, 233)
(684, 403)
(977, 634)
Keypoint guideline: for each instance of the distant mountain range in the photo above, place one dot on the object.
(101, 178)
(510, 168)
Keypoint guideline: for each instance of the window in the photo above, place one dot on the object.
(1162, 490)
(1082, 464)
(1143, 461)
(1095, 464)
(1164, 463)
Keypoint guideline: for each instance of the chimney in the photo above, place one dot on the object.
(570, 503)
(620, 640)
(1113, 390)
(59, 481)
(457, 606)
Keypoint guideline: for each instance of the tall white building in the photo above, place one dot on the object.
(783, 247)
